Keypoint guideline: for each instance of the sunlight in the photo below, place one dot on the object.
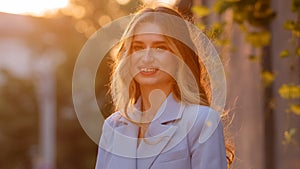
(166, 2)
(123, 2)
(31, 7)
(169, 2)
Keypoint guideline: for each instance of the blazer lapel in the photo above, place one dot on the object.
(121, 142)
(151, 146)
(160, 132)
(125, 140)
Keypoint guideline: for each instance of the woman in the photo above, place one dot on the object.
(161, 93)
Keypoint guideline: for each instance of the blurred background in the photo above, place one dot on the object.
(258, 40)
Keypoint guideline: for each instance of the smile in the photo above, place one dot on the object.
(148, 71)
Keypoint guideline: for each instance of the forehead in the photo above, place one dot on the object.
(146, 31)
(147, 28)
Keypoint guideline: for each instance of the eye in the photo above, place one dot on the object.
(162, 47)
(137, 47)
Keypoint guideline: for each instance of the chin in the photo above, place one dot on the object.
(146, 82)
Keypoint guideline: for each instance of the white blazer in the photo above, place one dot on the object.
(179, 137)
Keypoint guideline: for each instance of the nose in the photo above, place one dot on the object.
(148, 55)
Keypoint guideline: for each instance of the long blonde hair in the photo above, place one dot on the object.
(125, 91)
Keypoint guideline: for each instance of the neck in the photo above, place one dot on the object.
(152, 96)
(152, 99)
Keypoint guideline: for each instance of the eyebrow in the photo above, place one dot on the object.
(160, 42)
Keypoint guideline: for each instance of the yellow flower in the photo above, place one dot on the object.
(295, 109)
(268, 78)
(290, 91)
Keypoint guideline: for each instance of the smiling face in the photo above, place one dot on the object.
(152, 63)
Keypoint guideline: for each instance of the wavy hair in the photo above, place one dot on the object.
(125, 90)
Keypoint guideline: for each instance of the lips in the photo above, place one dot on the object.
(148, 70)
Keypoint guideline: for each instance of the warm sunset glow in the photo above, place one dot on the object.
(31, 7)
(166, 2)
(123, 2)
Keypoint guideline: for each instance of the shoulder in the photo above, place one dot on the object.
(110, 124)
(202, 113)
(206, 140)
(114, 120)
(207, 121)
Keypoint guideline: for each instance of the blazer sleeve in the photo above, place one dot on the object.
(103, 155)
(100, 158)
(210, 154)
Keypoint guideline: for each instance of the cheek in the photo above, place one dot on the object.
(133, 62)
(170, 64)
(132, 59)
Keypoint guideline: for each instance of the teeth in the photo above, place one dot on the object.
(148, 69)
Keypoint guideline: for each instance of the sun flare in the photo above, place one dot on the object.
(31, 7)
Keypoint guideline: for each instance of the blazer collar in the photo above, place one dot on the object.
(160, 132)
(170, 110)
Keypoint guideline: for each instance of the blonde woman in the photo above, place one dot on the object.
(162, 98)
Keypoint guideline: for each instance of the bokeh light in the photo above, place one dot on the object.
(104, 19)
(31, 7)
(123, 2)
(166, 2)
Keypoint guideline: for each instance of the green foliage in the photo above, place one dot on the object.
(289, 91)
(215, 31)
(253, 58)
(200, 11)
(253, 18)
(257, 13)
(295, 6)
(293, 26)
(201, 26)
(222, 5)
(295, 109)
(258, 39)
(267, 78)
(250, 14)
(289, 136)
(285, 53)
